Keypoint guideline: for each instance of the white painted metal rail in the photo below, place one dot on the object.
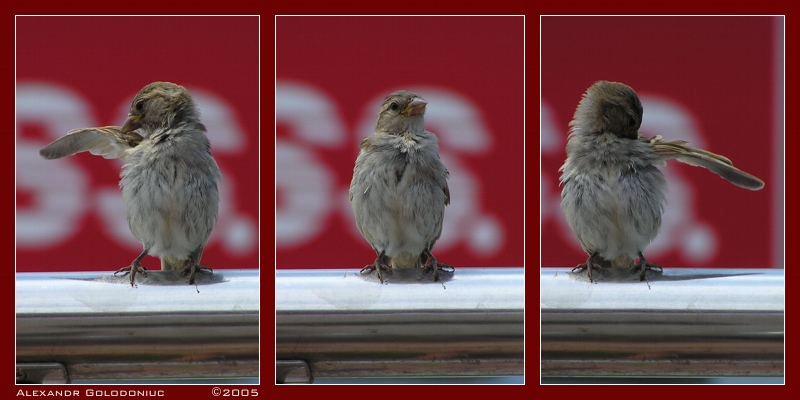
(336, 323)
(94, 326)
(681, 323)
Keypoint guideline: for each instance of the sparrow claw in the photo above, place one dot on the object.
(434, 265)
(132, 270)
(377, 266)
(642, 266)
(594, 262)
(439, 267)
(191, 268)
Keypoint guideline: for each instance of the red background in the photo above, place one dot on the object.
(351, 63)
(721, 72)
(103, 62)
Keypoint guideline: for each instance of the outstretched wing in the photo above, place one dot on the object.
(107, 141)
(722, 166)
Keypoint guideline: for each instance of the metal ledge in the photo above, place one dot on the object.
(680, 323)
(342, 324)
(99, 327)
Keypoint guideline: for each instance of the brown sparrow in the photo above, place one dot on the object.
(169, 180)
(613, 194)
(399, 188)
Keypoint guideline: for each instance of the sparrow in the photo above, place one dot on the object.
(612, 193)
(399, 188)
(168, 181)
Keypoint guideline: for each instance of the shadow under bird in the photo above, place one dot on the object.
(613, 193)
(399, 188)
(169, 180)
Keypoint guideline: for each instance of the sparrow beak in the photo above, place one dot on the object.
(132, 123)
(417, 106)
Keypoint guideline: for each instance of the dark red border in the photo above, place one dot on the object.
(532, 389)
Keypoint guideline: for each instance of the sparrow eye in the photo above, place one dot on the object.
(139, 105)
(394, 106)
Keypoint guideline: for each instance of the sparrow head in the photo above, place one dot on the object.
(158, 106)
(401, 112)
(609, 107)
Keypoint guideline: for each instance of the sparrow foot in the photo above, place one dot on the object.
(642, 266)
(377, 267)
(191, 268)
(594, 262)
(381, 264)
(434, 265)
(132, 270)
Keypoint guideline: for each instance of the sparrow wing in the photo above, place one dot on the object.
(107, 141)
(722, 166)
